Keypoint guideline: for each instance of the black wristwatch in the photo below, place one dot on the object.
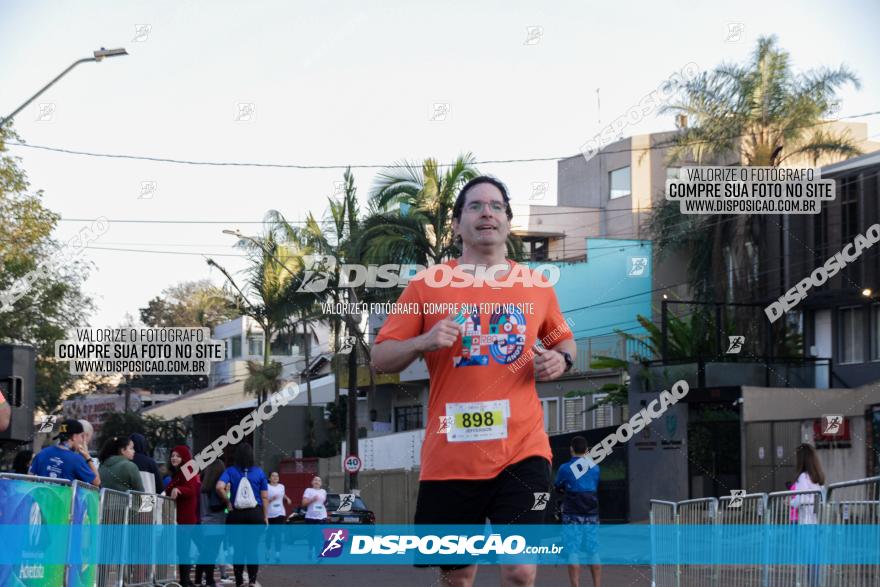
(568, 362)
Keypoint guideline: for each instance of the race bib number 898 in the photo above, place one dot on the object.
(476, 421)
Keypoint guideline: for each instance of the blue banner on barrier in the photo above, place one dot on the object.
(407, 544)
(34, 506)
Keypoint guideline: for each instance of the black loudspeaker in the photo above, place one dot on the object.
(17, 383)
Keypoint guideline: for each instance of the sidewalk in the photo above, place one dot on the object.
(402, 576)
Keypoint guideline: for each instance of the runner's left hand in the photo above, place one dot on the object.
(549, 364)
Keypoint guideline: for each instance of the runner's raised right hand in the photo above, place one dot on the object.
(442, 335)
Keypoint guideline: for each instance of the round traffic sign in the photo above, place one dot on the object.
(352, 464)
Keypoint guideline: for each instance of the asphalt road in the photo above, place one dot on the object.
(403, 576)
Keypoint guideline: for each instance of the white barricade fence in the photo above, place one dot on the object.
(790, 508)
(664, 543)
(697, 512)
(740, 523)
(851, 503)
(742, 526)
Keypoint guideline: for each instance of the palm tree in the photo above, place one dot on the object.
(338, 236)
(757, 114)
(411, 219)
(683, 343)
(265, 297)
(335, 236)
(421, 230)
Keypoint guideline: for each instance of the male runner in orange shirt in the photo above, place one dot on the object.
(495, 455)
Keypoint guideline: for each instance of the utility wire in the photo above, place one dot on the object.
(384, 165)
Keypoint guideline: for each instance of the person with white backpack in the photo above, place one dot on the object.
(238, 487)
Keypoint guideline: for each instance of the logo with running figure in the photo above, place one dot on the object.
(541, 500)
(346, 500)
(47, 423)
(318, 270)
(333, 542)
(446, 422)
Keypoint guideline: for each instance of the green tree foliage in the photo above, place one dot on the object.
(186, 304)
(688, 337)
(190, 303)
(159, 433)
(761, 113)
(54, 301)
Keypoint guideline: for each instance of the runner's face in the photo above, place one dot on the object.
(273, 478)
(175, 459)
(483, 223)
(316, 483)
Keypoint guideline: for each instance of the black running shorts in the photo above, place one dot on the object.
(508, 498)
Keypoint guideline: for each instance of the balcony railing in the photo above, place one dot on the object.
(771, 372)
(617, 346)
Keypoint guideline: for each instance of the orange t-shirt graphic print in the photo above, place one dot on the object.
(486, 379)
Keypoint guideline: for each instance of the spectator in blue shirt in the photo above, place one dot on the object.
(578, 481)
(69, 459)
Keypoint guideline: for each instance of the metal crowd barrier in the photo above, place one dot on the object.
(697, 512)
(740, 521)
(663, 513)
(849, 503)
(85, 510)
(743, 519)
(790, 508)
(114, 511)
(141, 511)
(165, 513)
(89, 505)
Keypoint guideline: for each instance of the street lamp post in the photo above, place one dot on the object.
(97, 56)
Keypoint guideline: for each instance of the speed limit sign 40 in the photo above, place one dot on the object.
(352, 464)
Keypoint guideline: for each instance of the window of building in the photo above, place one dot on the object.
(620, 183)
(551, 415)
(849, 215)
(287, 344)
(407, 418)
(729, 264)
(233, 347)
(820, 238)
(574, 414)
(852, 337)
(537, 248)
(875, 332)
(255, 345)
(752, 257)
(603, 416)
(849, 207)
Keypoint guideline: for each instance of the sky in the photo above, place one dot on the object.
(312, 84)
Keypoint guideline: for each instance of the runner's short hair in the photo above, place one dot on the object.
(579, 444)
(243, 456)
(459, 201)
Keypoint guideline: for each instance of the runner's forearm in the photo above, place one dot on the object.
(393, 356)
